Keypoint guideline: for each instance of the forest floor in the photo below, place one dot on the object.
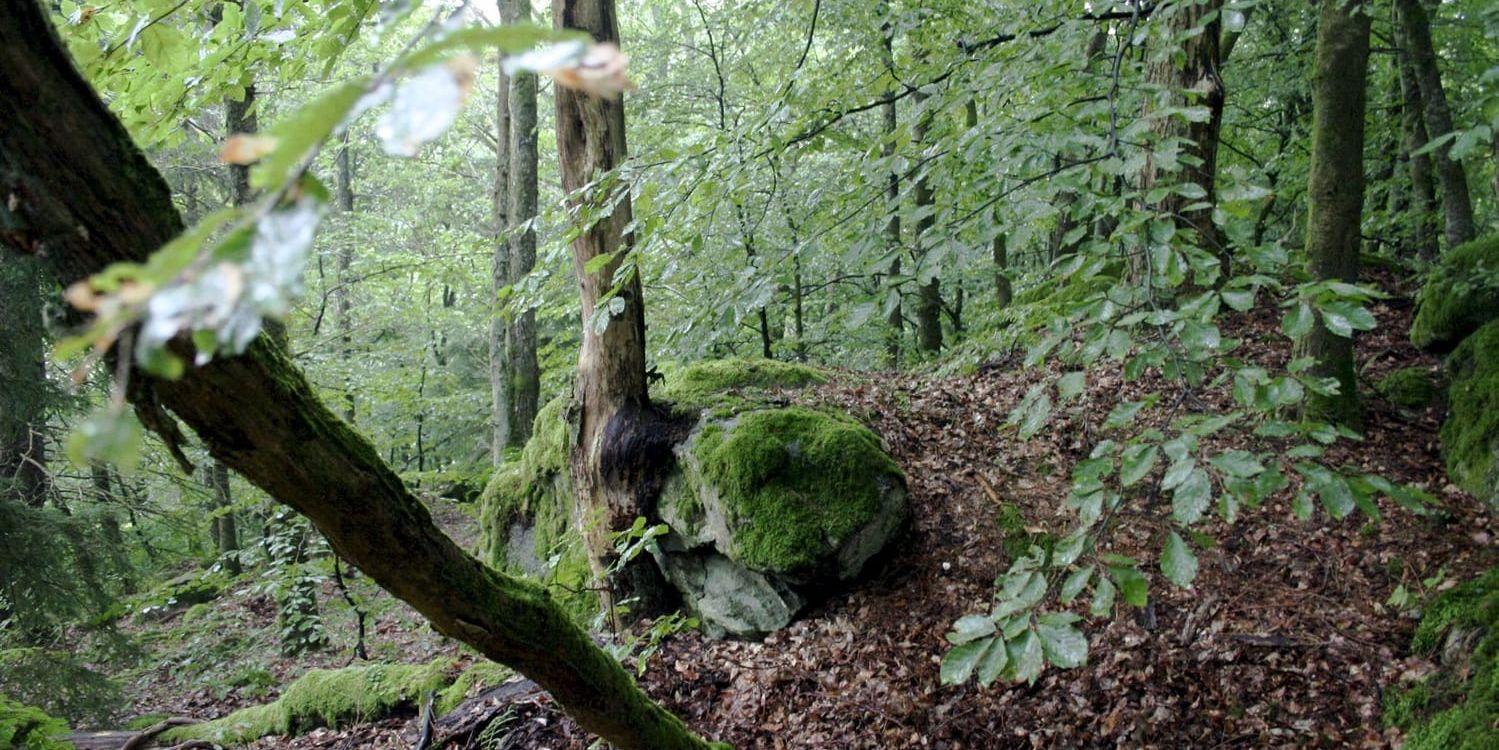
(1285, 639)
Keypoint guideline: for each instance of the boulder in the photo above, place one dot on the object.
(1470, 436)
(770, 506)
(1409, 388)
(1461, 294)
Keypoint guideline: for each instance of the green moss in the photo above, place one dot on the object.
(480, 676)
(536, 488)
(1470, 436)
(326, 698)
(705, 383)
(146, 721)
(1411, 387)
(1455, 709)
(795, 482)
(30, 728)
(1461, 293)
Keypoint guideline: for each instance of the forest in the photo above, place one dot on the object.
(676, 375)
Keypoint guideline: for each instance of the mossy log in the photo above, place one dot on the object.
(81, 196)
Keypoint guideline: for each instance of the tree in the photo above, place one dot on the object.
(1423, 201)
(525, 372)
(1335, 192)
(77, 168)
(621, 439)
(929, 294)
(501, 396)
(23, 399)
(889, 122)
(1457, 205)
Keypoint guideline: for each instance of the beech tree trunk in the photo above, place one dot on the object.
(890, 122)
(344, 278)
(622, 445)
(1457, 205)
(1335, 191)
(1194, 79)
(1424, 235)
(929, 295)
(524, 369)
(499, 328)
(82, 197)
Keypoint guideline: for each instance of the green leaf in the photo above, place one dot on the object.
(1071, 385)
(511, 39)
(959, 662)
(1132, 585)
(1177, 561)
(1075, 584)
(1192, 498)
(1237, 463)
(1103, 598)
(1123, 414)
(970, 628)
(1298, 322)
(297, 134)
(1064, 645)
(1238, 299)
(1025, 657)
(993, 662)
(1137, 461)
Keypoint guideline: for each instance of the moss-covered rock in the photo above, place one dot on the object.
(326, 698)
(771, 506)
(1410, 387)
(1470, 436)
(714, 382)
(1455, 709)
(1460, 294)
(525, 513)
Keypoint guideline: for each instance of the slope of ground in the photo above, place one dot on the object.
(1284, 641)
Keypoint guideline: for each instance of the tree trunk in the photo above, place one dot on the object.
(1423, 205)
(525, 371)
(502, 400)
(1335, 191)
(23, 370)
(622, 445)
(225, 527)
(1193, 79)
(890, 122)
(345, 278)
(1457, 205)
(929, 295)
(71, 165)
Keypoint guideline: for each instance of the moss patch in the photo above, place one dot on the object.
(535, 491)
(705, 383)
(1411, 387)
(1470, 436)
(1455, 709)
(30, 728)
(326, 698)
(480, 676)
(794, 481)
(1461, 293)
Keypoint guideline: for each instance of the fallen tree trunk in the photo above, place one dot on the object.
(77, 193)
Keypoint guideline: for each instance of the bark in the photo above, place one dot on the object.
(1003, 292)
(499, 329)
(1423, 203)
(83, 197)
(890, 121)
(24, 396)
(1194, 79)
(344, 278)
(1457, 205)
(225, 527)
(525, 371)
(929, 295)
(622, 444)
(1335, 191)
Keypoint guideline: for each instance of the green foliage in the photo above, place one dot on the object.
(1409, 387)
(1455, 709)
(706, 382)
(326, 698)
(1470, 436)
(53, 567)
(1460, 294)
(25, 728)
(59, 684)
(795, 482)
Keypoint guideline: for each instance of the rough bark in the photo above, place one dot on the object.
(1335, 190)
(621, 443)
(24, 396)
(1194, 79)
(225, 526)
(82, 196)
(1423, 205)
(525, 371)
(1457, 205)
(344, 278)
(929, 295)
(499, 328)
